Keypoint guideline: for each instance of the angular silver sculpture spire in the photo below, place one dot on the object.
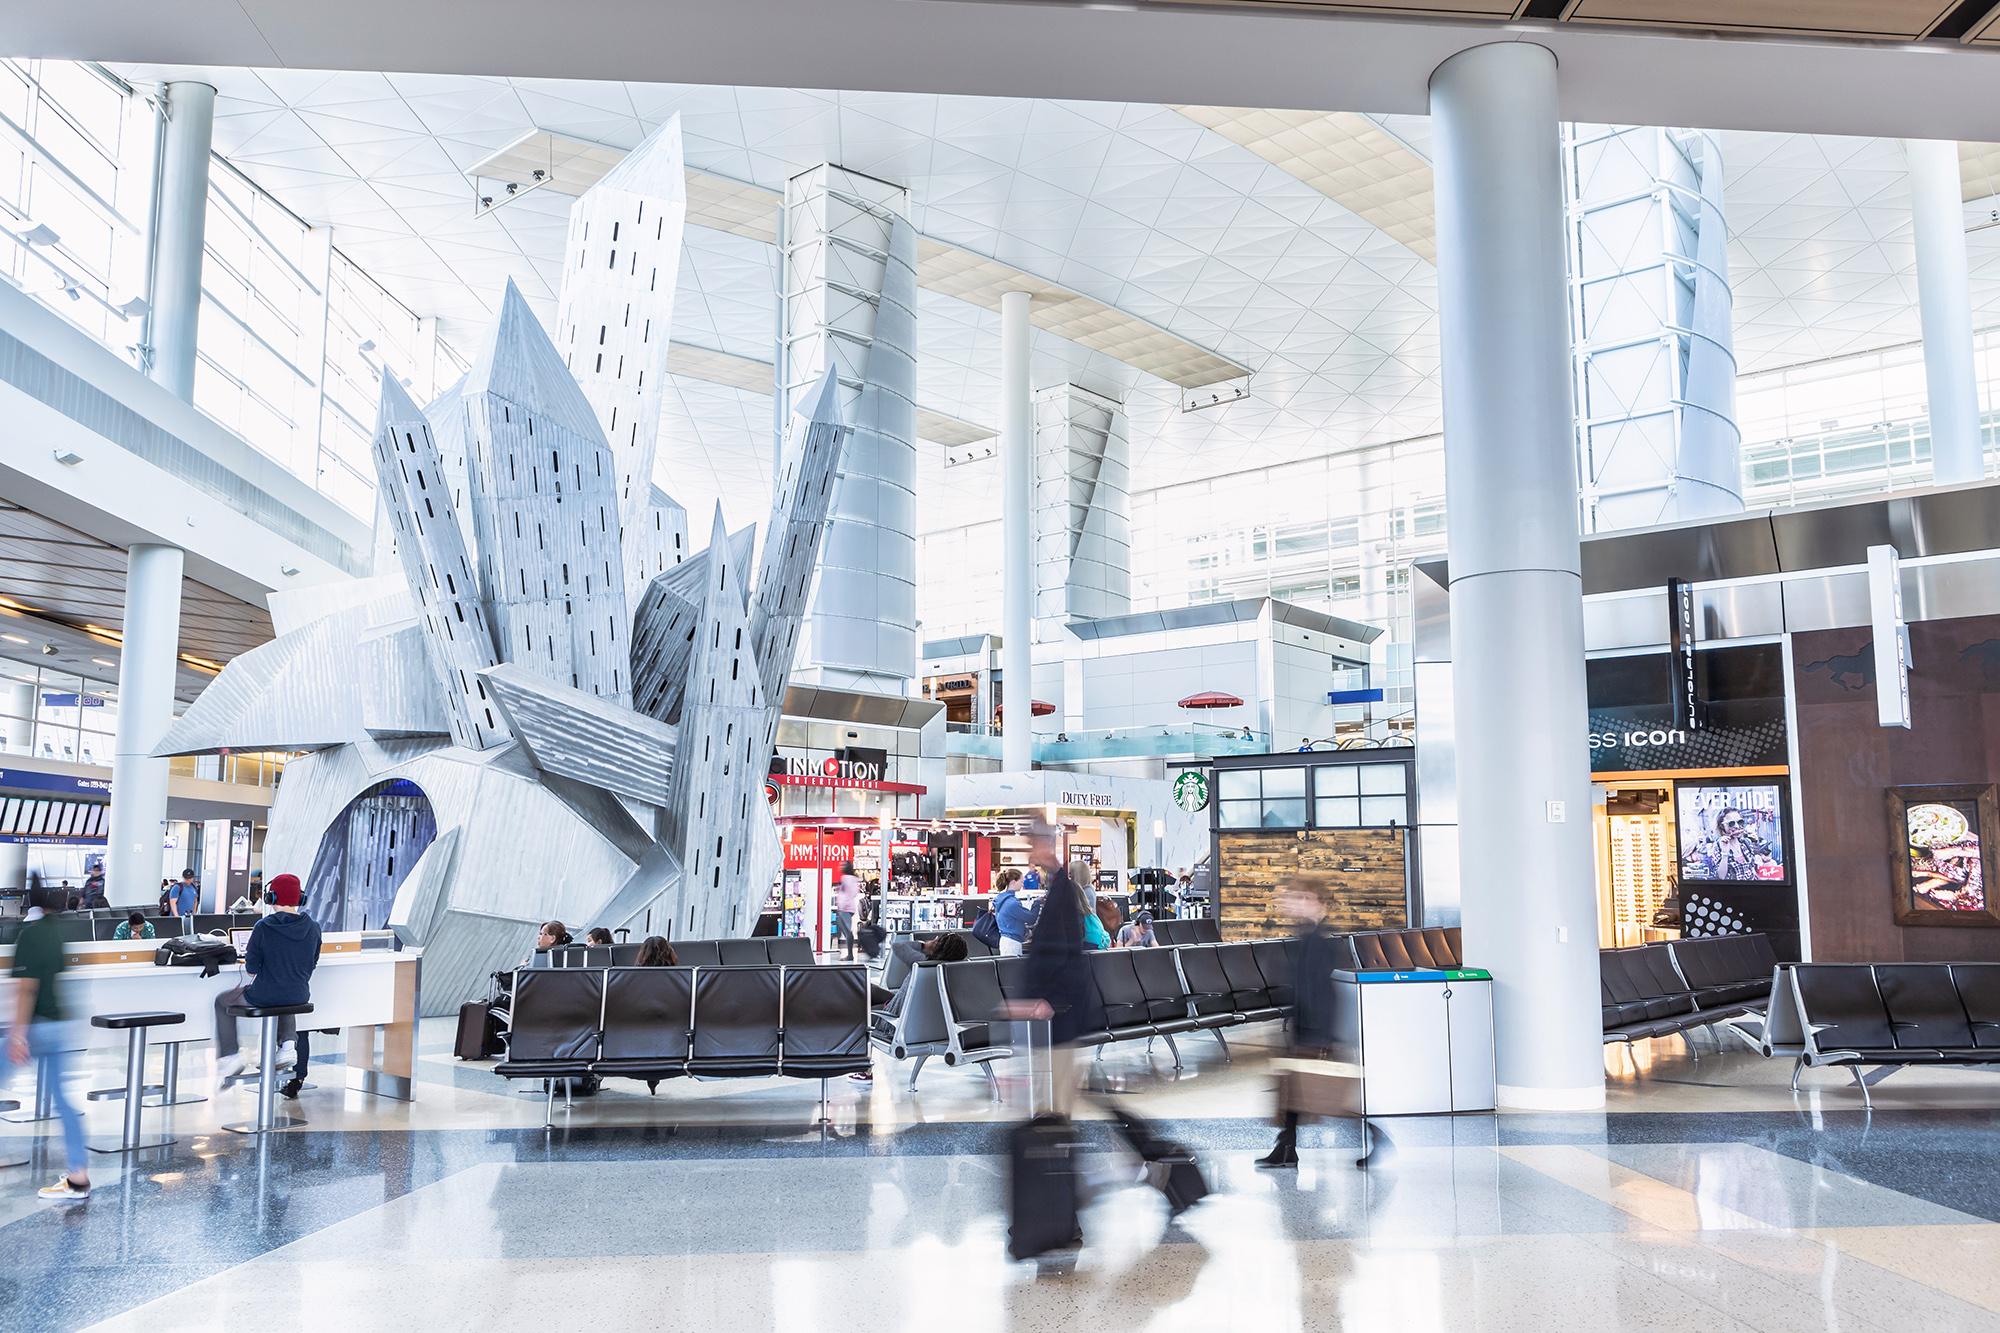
(411, 481)
(614, 316)
(542, 487)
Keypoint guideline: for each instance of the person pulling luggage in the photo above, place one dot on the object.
(1313, 962)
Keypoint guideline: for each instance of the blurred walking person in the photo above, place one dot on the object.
(1313, 963)
(41, 1029)
(846, 902)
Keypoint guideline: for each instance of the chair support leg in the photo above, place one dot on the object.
(992, 1083)
(1798, 1067)
(824, 1117)
(549, 1114)
(1861, 1083)
(1217, 1034)
(916, 1070)
(1168, 1037)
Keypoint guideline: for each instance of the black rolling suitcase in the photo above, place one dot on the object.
(1042, 1196)
(1170, 1167)
(478, 1034)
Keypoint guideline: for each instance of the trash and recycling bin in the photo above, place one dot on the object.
(1417, 1042)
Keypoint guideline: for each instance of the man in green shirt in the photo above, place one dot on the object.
(41, 1030)
(134, 927)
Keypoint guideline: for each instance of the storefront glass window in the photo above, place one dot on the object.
(1281, 782)
(1239, 784)
(1336, 780)
(1338, 812)
(1284, 814)
(1381, 779)
(1379, 811)
(1241, 814)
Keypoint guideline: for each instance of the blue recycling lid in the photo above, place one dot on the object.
(1378, 976)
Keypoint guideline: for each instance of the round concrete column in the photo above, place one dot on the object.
(145, 711)
(1529, 896)
(1944, 296)
(182, 188)
(1017, 528)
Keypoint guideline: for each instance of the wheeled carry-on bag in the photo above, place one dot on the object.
(477, 1034)
(1042, 1192)
(1171, 1168)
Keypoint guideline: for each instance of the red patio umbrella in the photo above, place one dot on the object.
(1211, 699)
(1040, 708)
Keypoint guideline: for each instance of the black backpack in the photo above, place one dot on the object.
(211, 956)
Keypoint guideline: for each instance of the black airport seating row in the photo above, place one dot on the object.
(759, 951)
(956, 1009)
(1659, 990)
(1400, 950)
(1187, 930)
(654, 1023)
(1858, 1014)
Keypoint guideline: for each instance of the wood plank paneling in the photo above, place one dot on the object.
(1364, 868)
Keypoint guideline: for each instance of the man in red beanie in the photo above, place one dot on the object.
(277, 968)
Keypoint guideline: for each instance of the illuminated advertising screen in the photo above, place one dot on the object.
(1731, 832)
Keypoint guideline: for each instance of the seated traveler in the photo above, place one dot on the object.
(134, 927)
(1138, 932)
(949, 948)
(656, 952)
(598, 937)
(1094, 934)
(278, 965)
(552, 936)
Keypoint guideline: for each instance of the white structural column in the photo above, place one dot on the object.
(850, 305)
(177, 245)
(145, 711)
(1655, 360)
(1529, 901)
(1017, 539)
(1944, 291)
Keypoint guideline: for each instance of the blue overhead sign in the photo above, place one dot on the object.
(1354, 696)
(30, 780)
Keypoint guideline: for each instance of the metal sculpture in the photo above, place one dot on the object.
(581, 762)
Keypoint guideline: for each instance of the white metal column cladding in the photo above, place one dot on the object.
(1083, 525)
(1655, 352)
(182, 189)
(1529, 898)
(850, 303)
(146, 662)
(1944, 294)
(1017, 529)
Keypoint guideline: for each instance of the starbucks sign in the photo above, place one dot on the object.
(1191, 792)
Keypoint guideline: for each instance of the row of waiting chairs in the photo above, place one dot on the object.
(656, 1023)
(954, 1010)
(1662, 990)
(779, 950)
(1856, 1014)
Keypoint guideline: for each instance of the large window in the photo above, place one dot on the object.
(1358, 795)
(74, 160)
(1361, 795)
(1262, 797)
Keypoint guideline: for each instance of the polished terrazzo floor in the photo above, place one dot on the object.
(1706, 1197)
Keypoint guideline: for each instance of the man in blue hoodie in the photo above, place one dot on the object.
(278, 965)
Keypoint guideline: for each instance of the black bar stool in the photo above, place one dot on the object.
(267, 1063)
(134, 1025)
